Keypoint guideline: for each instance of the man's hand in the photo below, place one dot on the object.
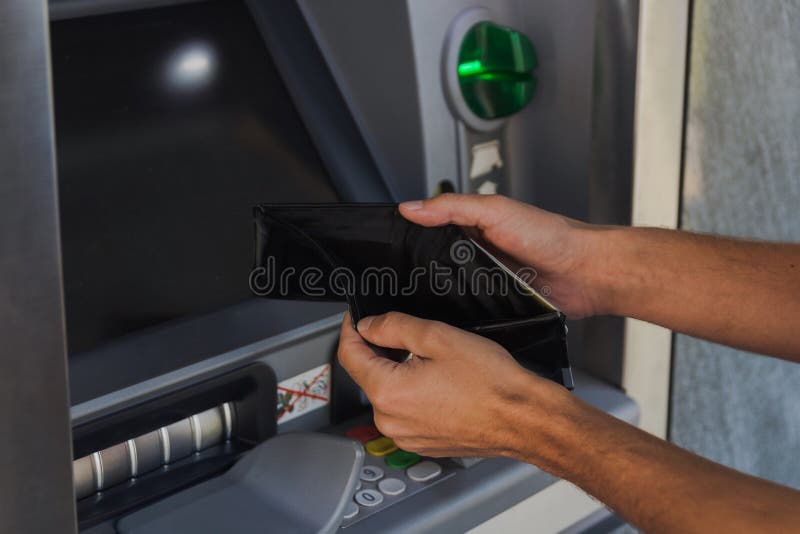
(455, 397)
(740, 293)
(463, 395)
(563, 251)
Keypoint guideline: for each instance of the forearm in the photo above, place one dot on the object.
(740, 293)
(651, 483)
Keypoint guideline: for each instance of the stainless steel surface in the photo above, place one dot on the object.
(181, 440)
(83, 476)
(149, 455)
(228, 419)
(97, 469)
(209, 428)
(116, 465)
(133, 457)
(138, 456)
(36, 489)
(163, 440)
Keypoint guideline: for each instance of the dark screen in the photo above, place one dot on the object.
(171, 124)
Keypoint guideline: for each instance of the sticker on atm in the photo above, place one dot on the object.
(304, 393)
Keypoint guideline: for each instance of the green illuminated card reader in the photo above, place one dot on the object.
(489, 75)
(488, 70)
(496, 70)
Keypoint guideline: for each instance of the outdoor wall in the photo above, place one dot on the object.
(741, 178)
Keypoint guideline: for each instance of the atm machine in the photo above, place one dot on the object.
(170, 119)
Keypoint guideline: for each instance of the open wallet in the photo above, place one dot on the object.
(377, 261)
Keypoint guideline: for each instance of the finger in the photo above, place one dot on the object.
(358, 359)
(481, 211)
(431, 339)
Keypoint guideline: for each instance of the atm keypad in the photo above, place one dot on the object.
(390, 475)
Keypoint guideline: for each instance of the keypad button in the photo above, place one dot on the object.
(380, 447)
(369, 497)
(363, 433)
(392, 486)
(370, 473)
(401, 459)
(424, 471)
(351, 510)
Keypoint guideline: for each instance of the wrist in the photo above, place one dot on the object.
(610, 252)
(538, 422)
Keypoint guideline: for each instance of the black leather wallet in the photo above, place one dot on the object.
(371, 257)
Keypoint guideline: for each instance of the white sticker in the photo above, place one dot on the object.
(485, 158)
(304, 393)
(488, 188)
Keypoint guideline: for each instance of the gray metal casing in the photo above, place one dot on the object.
(35, 451)
(551, 148)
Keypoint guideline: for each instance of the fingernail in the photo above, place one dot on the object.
(364, 323)
(412, 205)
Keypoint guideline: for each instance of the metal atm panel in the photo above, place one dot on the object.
(399, 138)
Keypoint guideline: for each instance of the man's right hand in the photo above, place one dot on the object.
(563, 251)
(740, 293)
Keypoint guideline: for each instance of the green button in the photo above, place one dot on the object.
(402, 459)
(496, 70)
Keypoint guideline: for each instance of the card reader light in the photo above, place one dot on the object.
(496, 70)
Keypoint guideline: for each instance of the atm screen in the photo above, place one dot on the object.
(171, 123)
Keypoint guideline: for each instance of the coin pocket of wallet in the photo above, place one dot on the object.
(371, 257)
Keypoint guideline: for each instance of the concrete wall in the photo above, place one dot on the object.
(741, 178)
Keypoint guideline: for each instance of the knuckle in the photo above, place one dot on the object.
(341, 356)
(384, 321)
(391, 320)
(432, 335)
(445, 198)
(494, 201)
(386, 427)
(389, 324)
(405, 444)
(381, 399)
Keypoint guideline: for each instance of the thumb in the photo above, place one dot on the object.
(481, 211)
(431, 339)
(361, 362)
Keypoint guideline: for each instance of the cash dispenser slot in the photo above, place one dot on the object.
(140, 454)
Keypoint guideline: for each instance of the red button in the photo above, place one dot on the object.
(363, 433)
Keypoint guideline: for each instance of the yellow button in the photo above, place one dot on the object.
(380, 447)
